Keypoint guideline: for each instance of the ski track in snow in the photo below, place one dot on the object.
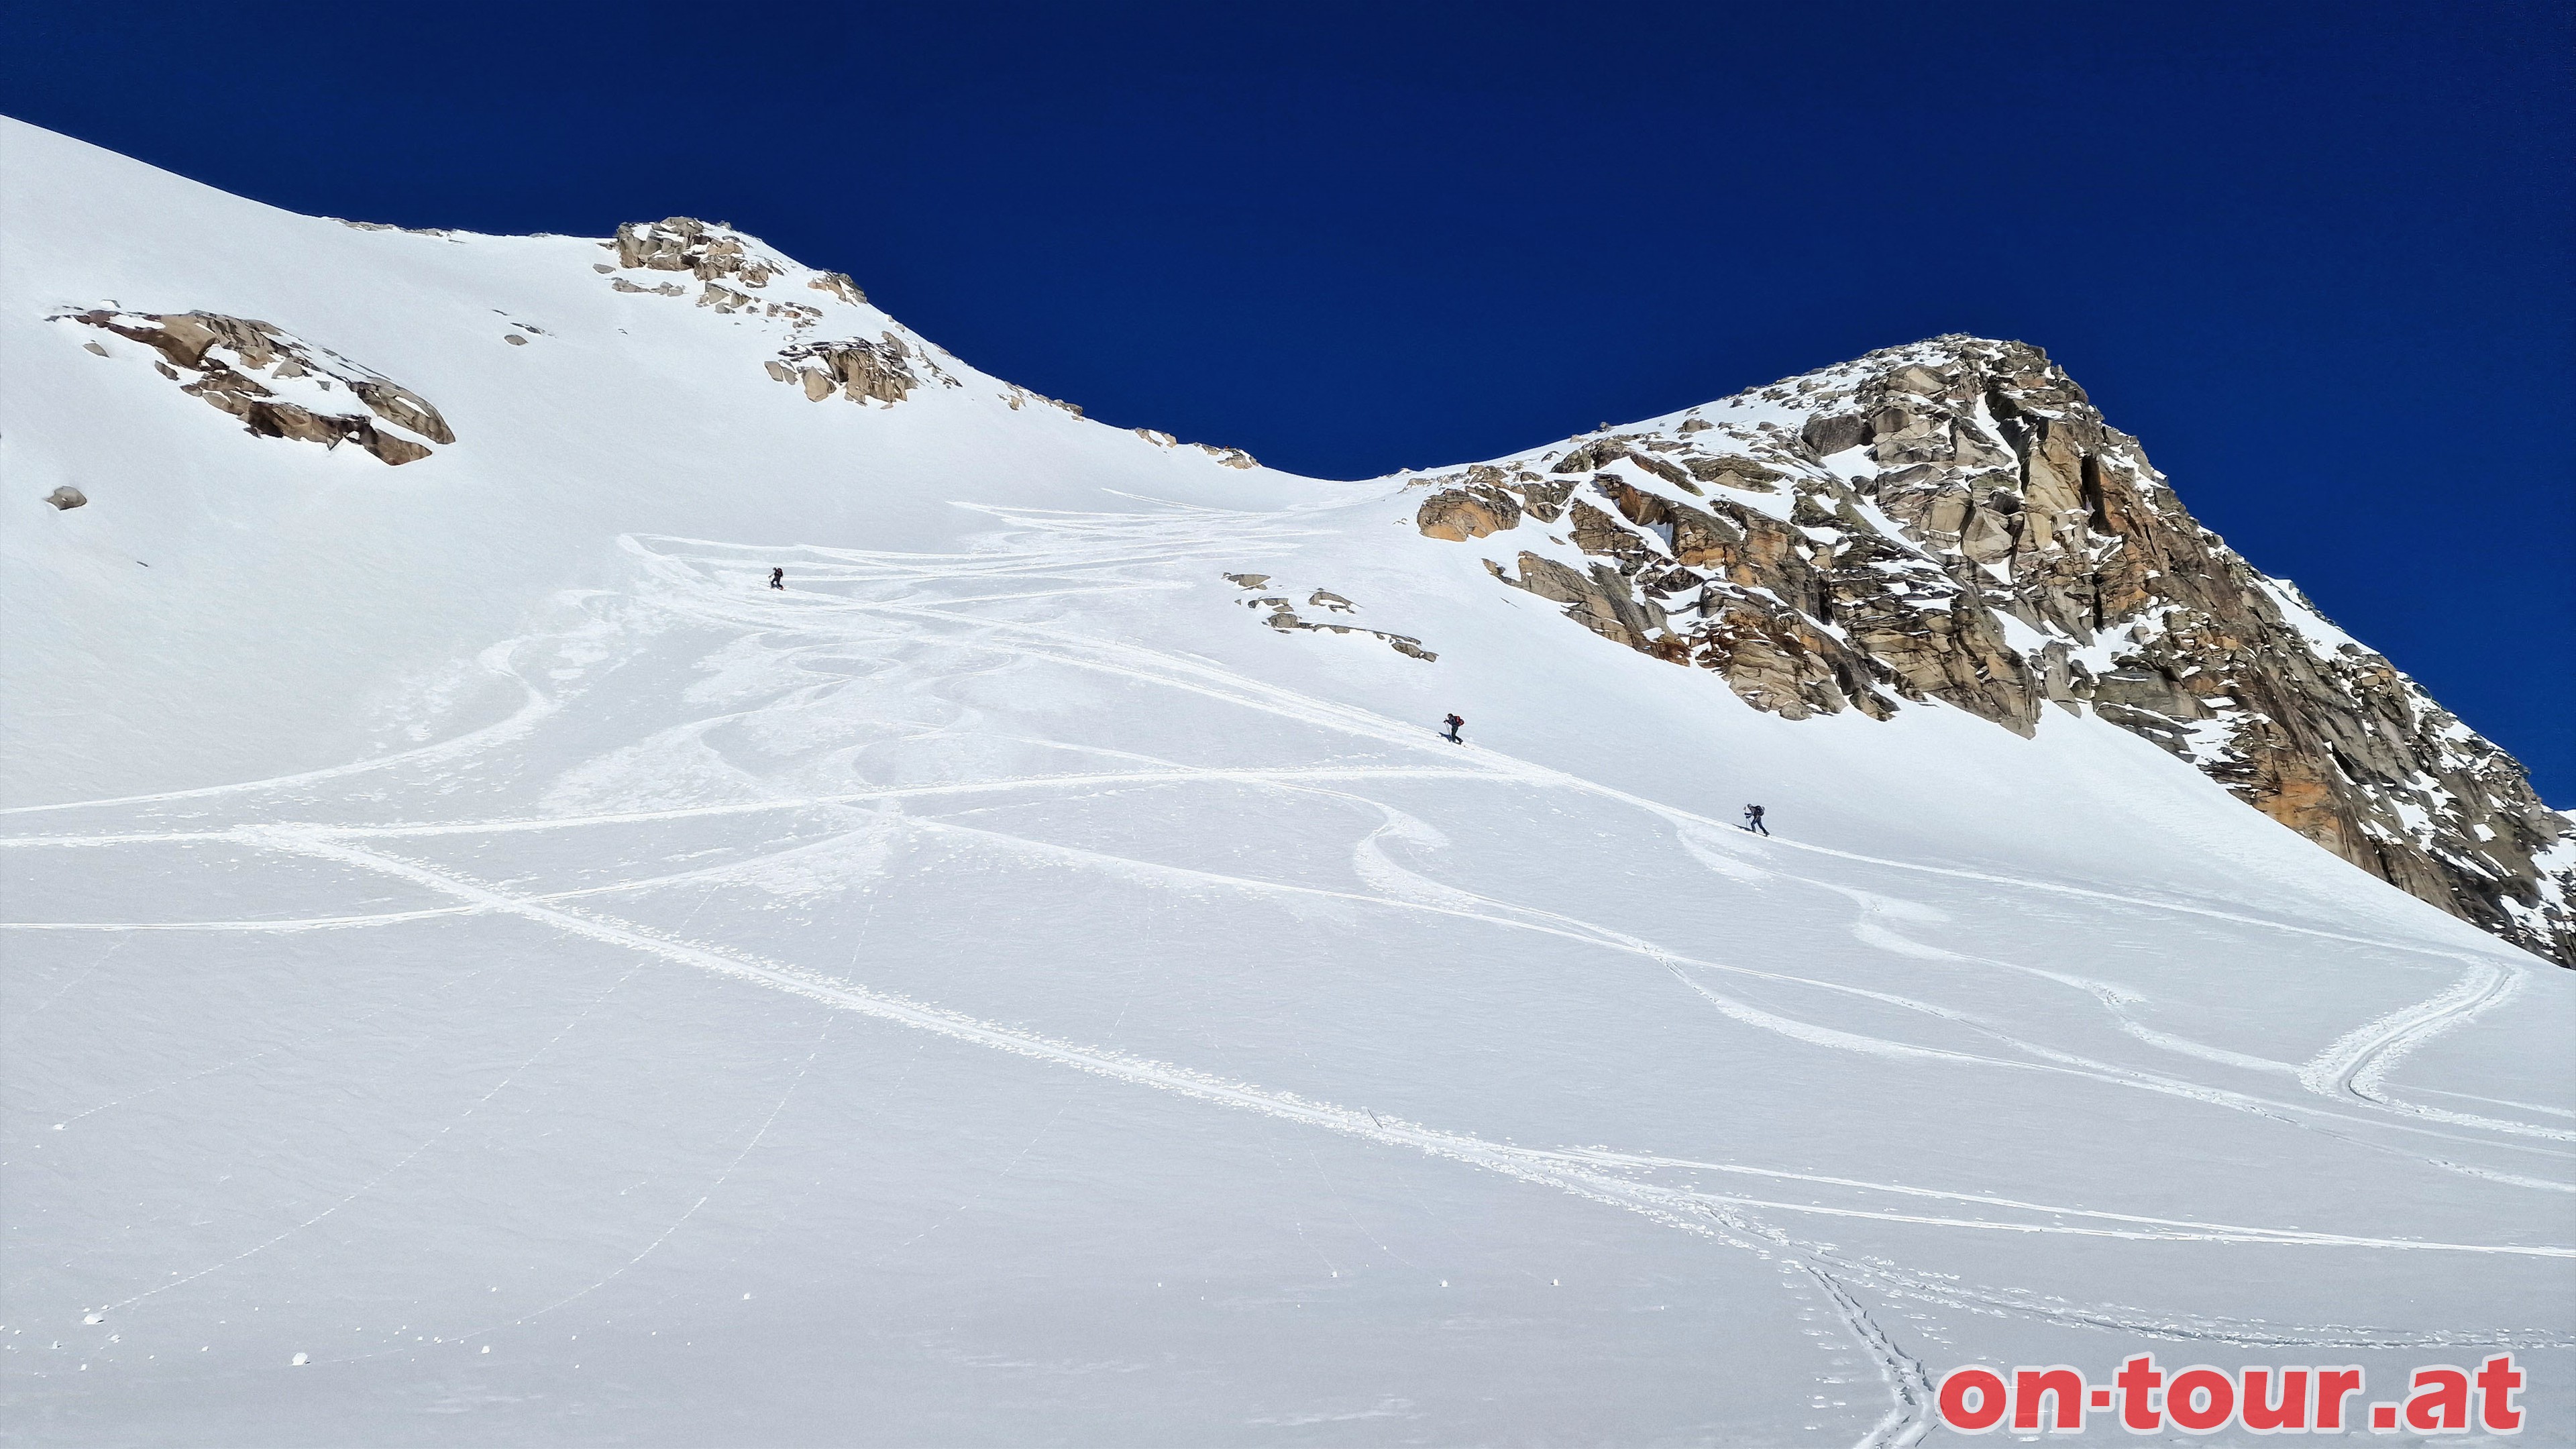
(496, 660)
(1729, 1217)
(927, 600)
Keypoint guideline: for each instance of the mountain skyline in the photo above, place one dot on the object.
(1374, 246)
(1984, 455)
(606, 842)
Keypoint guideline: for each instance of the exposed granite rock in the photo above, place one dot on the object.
(1018, 395)
(277, 384)
(1826, 436)
(1230, 457)
(839, 285)
(1459, 514)
(1600, 600)
(1884, 527)
(1283, 617)
(1542, 498)
(67, 498)
(400, 405)
(1727, 471)
(686, 244)
(1776, 659)
(731, 269)
(1599, 453)
(858, 369)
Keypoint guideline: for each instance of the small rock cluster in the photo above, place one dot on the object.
(730, 267)
(857, 369)
(1283, 615)
(1879, 533)
(713, 253)
(1229, 457)
(1018, 397)
(256, 371)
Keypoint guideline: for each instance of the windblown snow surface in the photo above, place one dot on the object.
(483, 968)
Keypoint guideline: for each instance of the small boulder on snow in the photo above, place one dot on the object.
(67, 497)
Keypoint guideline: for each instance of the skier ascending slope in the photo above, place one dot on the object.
(778, 578)
(1455, 724)
(1753, 820)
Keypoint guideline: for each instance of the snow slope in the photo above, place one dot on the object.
(480, 967)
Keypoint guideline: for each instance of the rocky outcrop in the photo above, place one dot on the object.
(686, 244)
(1018, 396)
(1283, 616)
(1776, 659)
(277, 384)
(1599, 599)
(67, 498)
(838, 284)
(733, 271)
(857, 369)
(1229, 457)
(1886, 531)
(1459, 514)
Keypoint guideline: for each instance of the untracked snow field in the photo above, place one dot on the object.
(530, 982)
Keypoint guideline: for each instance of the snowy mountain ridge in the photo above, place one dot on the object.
(484, 965)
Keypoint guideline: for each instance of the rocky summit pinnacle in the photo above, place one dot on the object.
(1955, 521)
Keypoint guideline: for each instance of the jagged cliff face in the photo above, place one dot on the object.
(1954, 521)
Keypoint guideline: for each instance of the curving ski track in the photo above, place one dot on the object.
(1063, 556)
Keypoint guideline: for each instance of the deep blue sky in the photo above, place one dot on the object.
(2317, 256)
